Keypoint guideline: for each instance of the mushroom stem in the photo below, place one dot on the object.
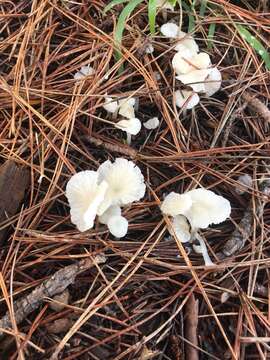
(206, 257)
(128, 138)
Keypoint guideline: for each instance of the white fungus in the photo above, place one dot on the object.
(195, 79)
(213, 82)
(85, 195)
(169, 30)
(186, 41)
(85, 70)
(126, 108)
(207, 208)
(149, 49)
(152, 123)
(131, 126)
(245, 180)
(110, 105)
(181, 228)
(125, 183)
(202, 249)
(186, 99)
(118, 226)
(176, 204)
(113, 210)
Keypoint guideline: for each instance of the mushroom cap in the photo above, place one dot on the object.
(118, 226)
(195, 79)
(213, 82)
(169, 30)
(181, 228)
(152, 123)
(176, 204)
(181, 63)
(186, 98)
(126, 108)
(85, 70)
(125, 183)
(207, 208)
(149, 49)
(113, 210)
(187, 41)
(85, 195)
(110, 105)
(132, 126)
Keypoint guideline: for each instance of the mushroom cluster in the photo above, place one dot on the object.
(194, 210)
(125, 108)
(192, 67)
(102, 193)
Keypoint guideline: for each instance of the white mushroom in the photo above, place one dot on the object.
(186, 99)
(207, 208)
(114, 210)
(245, 180)
(85, 70)
(131, 126)
(213, 82)
(125, 183)
(181, 228)
(202, 249)
(176, 204)
(152, 123)
(187, 41)
(85, 195)
(149, 49)
(195, 79)
(126, 108)
(169, 30)
(111, 106)
(118, 226)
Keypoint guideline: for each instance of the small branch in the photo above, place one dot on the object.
(56, 284)
(257, 105)
(191, 323)
(121, 149)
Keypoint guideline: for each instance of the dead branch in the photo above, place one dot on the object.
(121, 149)
(14, 180)
(257, 105)
(191, 323)
(56, 284)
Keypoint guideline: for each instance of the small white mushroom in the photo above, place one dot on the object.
(245, 180)
(195, 79)
(186, 99)
(118, 226)
(186, 63)
(111, 211)
(213, 82)
(85, 70)
(131, 126)
(110, 105)
(181, 228)
(207, 208)
(187, 41)
(152, 123)
(149, 49)
(169, 30)
(126, 108)
(176, 204)
(85, 194)
(125, 183)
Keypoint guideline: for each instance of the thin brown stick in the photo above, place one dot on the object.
(56, 284)
(191, 323)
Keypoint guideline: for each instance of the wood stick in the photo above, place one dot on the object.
(191, 324)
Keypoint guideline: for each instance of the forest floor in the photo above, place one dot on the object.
(153, 296)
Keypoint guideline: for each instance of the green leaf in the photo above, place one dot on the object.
(191, 22)
(255, 44)
(210, 36)
(112, 4)
(172, 2)
(203, 7)
(121, 23)
(152, 11)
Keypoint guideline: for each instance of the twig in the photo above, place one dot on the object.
(56, 284)
(191, 323)
(121, 149)
(228, 128)
(257, 105)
